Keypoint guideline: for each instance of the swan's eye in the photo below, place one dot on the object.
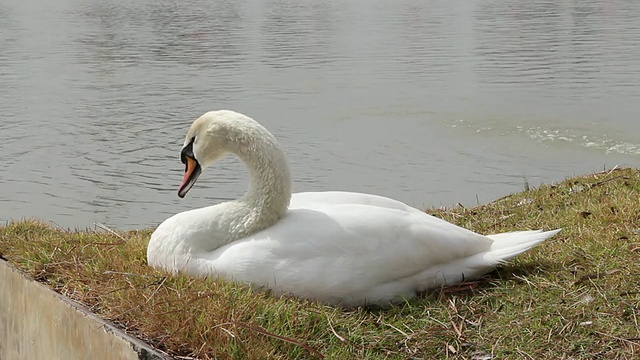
(187, 151)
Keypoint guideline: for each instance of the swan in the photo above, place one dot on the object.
(340, 248)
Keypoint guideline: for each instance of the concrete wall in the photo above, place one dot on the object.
(38, 323)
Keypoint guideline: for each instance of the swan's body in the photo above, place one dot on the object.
(336, 247)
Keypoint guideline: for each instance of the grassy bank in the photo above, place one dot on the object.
(576, 296)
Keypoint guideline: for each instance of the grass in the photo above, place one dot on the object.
(576, 296)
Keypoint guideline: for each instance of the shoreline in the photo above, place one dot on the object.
(572, 289)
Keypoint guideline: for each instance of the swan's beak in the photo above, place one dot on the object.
(191, 171)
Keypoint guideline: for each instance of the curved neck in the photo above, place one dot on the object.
(269, 192)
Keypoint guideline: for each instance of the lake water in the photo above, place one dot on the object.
(429, 102)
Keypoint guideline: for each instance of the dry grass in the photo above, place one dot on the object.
(576, 296)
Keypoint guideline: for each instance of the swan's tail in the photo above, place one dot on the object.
(508, 245)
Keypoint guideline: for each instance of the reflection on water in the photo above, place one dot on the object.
(429, 102)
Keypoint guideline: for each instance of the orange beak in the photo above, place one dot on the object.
(191, 172)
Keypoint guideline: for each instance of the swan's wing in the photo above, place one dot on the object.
(346, 250)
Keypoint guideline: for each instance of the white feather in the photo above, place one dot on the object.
(336, 247)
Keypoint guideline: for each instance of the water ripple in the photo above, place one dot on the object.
(96, 97)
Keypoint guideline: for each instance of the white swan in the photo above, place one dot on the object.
(336, 247)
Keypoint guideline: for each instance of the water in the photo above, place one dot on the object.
(428, 102)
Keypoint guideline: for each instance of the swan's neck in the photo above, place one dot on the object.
(269, 192)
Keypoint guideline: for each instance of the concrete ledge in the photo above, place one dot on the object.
(38, 323)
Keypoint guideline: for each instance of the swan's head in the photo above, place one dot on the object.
(206, 141)
(211, 136)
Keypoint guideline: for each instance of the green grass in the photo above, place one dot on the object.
(576, 296)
